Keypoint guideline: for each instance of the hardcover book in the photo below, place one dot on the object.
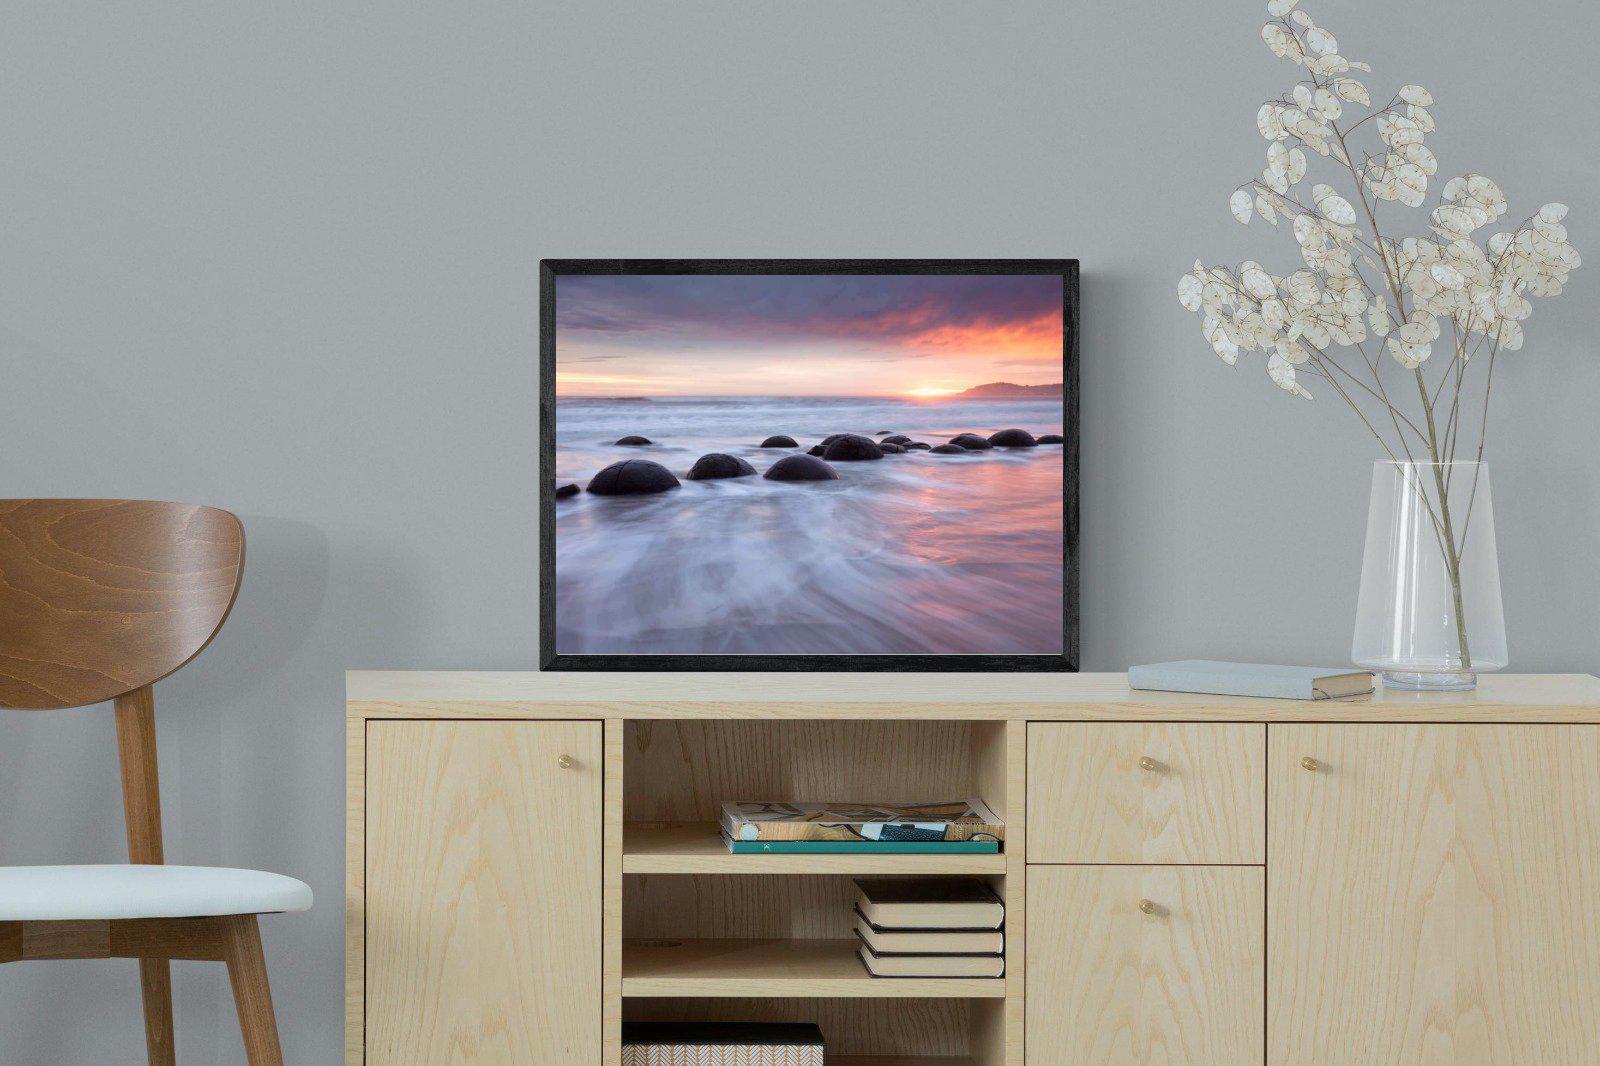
(860, 847)
(929, 903)
(1251, 679)
(721, 1044)
(885, 941)
(930, 965)
(950, 820)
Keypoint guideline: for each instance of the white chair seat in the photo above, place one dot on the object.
(61, 893)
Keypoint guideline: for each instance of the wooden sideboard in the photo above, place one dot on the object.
(1405, 878)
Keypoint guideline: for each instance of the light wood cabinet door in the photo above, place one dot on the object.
(1109, 983)
(1435, 894)
(483, 892)
(1158, 792)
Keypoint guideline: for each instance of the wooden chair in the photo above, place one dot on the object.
(99, 600)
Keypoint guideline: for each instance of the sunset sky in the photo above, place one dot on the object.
(804, 335)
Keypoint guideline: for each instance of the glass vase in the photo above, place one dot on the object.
(1429, 614)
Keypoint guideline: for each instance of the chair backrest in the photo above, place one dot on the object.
(99, 598)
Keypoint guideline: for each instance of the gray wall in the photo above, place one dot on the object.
(282, 258)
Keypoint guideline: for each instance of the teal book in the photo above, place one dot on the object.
(1252, 679)
(861, 847)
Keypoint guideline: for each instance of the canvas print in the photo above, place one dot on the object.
(788, 465)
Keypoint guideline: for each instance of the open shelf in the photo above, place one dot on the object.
(772, 967)
(697, 848)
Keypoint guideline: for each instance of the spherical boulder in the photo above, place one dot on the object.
(917, 446)
(972, 442)
(633, 477)
(1012, 438)
(720, 464)
(890, 449)
(1052, 438)
(948, 449)
(817, 450)
(780, 441)
(881, 433)
(563, 491)
(898, 438)
(852, 448)
(634, 440)
(800, 468)
(831, 437)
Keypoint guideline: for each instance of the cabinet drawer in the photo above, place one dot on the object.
(1145, 964)
(1146, 793)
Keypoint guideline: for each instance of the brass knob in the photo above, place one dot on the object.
(1147, 763)
(1150, 907)
(566, 762)
(1310, 764)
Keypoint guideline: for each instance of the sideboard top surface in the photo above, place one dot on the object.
(1087, 697)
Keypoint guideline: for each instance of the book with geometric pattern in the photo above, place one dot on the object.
(947, 820)
(721, 1044)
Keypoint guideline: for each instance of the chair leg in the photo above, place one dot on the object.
(247, 969)
(155, 985)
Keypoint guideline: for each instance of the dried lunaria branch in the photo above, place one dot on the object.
(1359, 285)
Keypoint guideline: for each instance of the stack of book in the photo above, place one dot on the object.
(930, 927)
(721, 1044)
(950, 827)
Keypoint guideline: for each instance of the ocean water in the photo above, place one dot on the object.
(910, 554)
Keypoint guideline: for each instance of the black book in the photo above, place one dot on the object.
(929, 903)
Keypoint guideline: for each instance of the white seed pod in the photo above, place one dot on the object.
(1256, 281)
(1327, 104)
(1302, 96)
(1321, 41)
(1297, 165)
(1189, 289)
(1378, 318)
(1269, 120)
(1416, 94)
(1280, 8)
(1226, 348)
(1422, 117)
(1277, 39)
(1241, 205)
(1265, 209)
(1352, 91)
(1553, 212)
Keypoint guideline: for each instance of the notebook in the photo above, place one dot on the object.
(1252, 679)
(930, 965)
(929, 941)
(721, 1044)
(929, 903)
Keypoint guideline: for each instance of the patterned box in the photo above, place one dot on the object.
(721, 1044)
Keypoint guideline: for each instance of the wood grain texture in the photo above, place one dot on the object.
(1102, 697)
(101, 597)
(483, 945)
(1433, 895)
(1000, 764)
(761, 968)
(355, 891)
(907, 1030)
(611, 922)
(127, 938)
(1110, 984)
(252, 996)
(141, 809)
(1202, 801)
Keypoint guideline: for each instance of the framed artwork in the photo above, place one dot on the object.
(796, 464)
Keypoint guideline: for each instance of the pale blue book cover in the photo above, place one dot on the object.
(1251, 679)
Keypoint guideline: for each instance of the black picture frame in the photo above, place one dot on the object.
(1067, 661)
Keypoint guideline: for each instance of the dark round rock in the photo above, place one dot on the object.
(831, 437)
(780, 441)
(881, 433)
(816, 449)
(634, 440)
(1052, 438)
(800, 468)
(563, 491)
(972, 442)
(1012, 438)
(890, 449)
(633, 477)
(947, 449)
(851, 448)
(898, 438)
(720, 464)
(917, 446)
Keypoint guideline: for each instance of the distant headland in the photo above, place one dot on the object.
(1005, 390)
